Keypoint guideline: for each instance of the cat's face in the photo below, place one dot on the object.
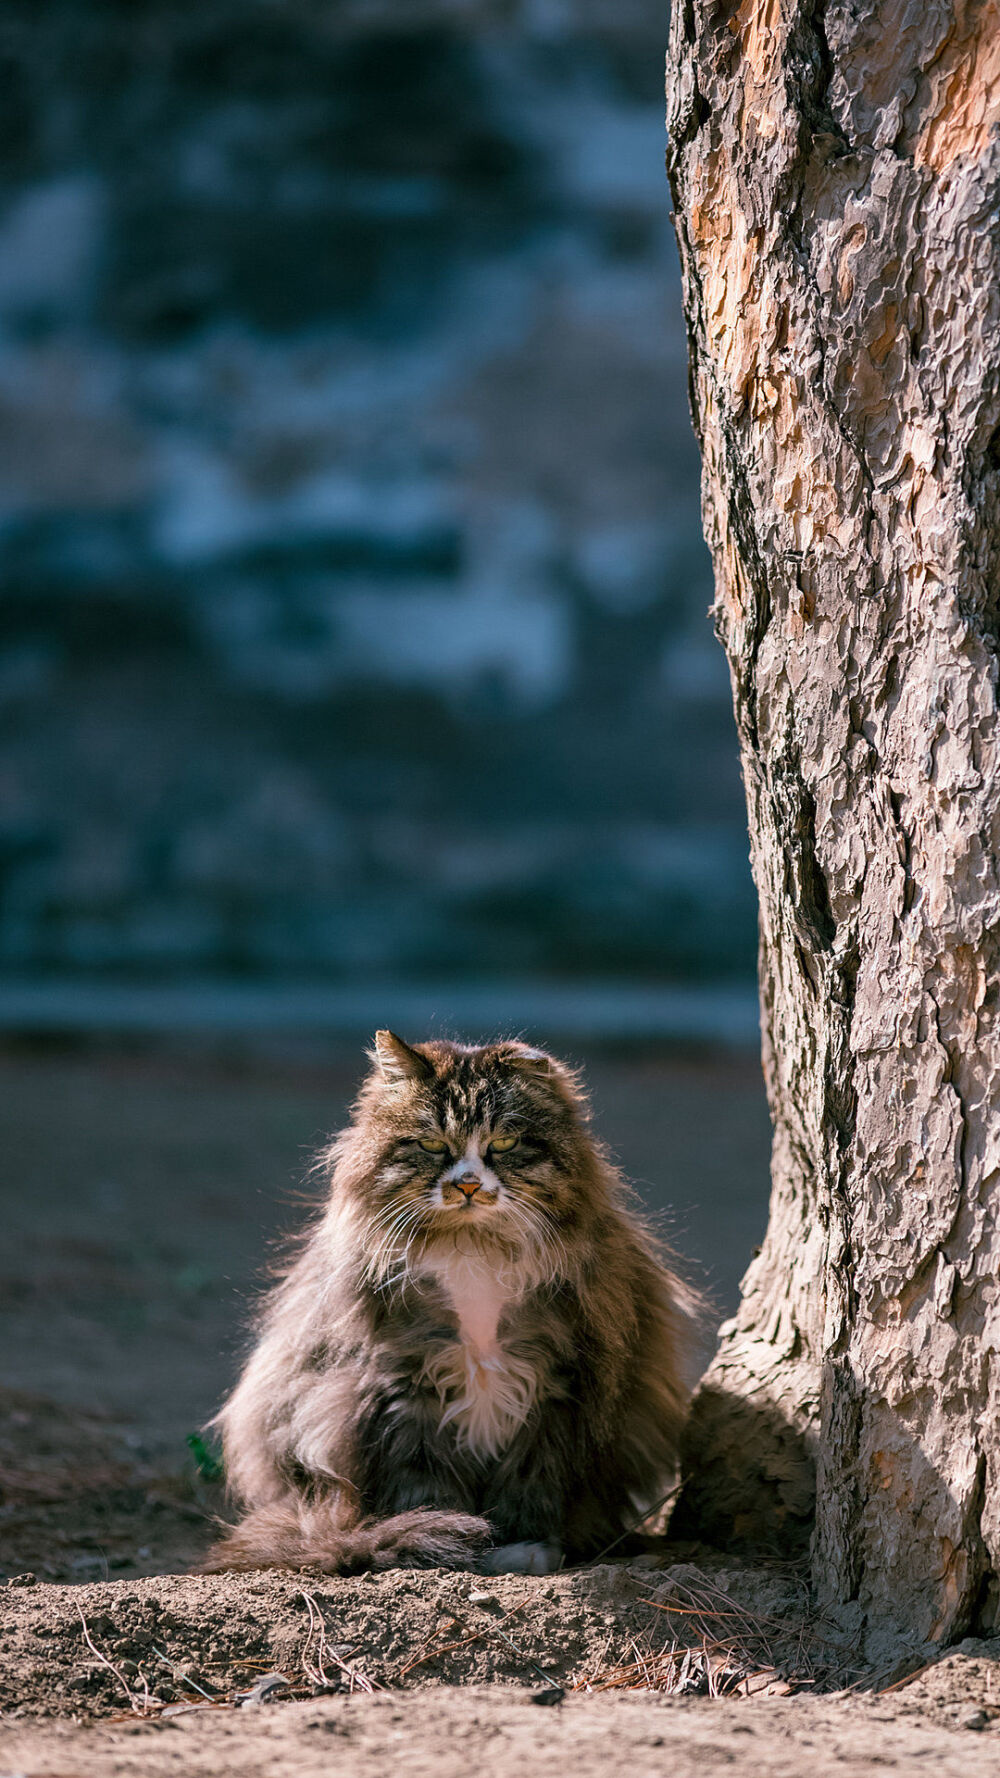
(470, 1139)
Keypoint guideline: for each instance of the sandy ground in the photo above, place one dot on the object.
(468, 1731)
(440, 1671)
(140, 1197)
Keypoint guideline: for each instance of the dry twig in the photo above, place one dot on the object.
(141, 1706)
(446, 1648)
(318, 1675)
(717, 1646)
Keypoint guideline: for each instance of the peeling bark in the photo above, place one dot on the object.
(836, 178)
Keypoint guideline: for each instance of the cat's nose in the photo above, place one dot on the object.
(469, 1184)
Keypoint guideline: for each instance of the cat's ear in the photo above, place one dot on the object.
(397, 1060)
(559, 1076)
(524, 1055)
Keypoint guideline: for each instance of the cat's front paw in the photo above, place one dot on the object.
(523, 1558)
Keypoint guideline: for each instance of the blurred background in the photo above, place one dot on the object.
(355, 665)
(354, 609)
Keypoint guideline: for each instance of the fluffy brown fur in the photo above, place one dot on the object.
(476, 1359)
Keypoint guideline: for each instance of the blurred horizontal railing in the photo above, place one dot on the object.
(607, 1012)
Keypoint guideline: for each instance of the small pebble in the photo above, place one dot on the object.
(265, 1690)
(973, 1719)
(23, 1580)
(192, 1676)
(481, 1599)
(548, 1694)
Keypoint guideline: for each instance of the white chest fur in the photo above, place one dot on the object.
(486, 1391)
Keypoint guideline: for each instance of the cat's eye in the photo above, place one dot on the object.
(500, 1144)
(433, 1144)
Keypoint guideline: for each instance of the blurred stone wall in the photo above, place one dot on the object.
(354, 600)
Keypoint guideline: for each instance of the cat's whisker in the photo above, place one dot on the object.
(532, 1219)
(389, 1214)
(405, 1222)
(395, 1247)
(385, 1259)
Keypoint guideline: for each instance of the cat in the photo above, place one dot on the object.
(477, 1359)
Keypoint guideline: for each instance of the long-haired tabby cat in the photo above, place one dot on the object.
(476, 1359)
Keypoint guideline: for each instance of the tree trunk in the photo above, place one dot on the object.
(836, 177)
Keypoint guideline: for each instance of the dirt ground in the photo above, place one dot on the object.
(498, 1730)
(441, 1673)
(141, 1196)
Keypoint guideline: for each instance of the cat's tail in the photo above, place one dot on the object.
(294, 1534)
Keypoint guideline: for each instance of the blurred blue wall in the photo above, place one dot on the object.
(354, 598)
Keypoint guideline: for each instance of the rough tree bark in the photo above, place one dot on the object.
(836, 179)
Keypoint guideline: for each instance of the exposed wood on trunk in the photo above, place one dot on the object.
(836, 176)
